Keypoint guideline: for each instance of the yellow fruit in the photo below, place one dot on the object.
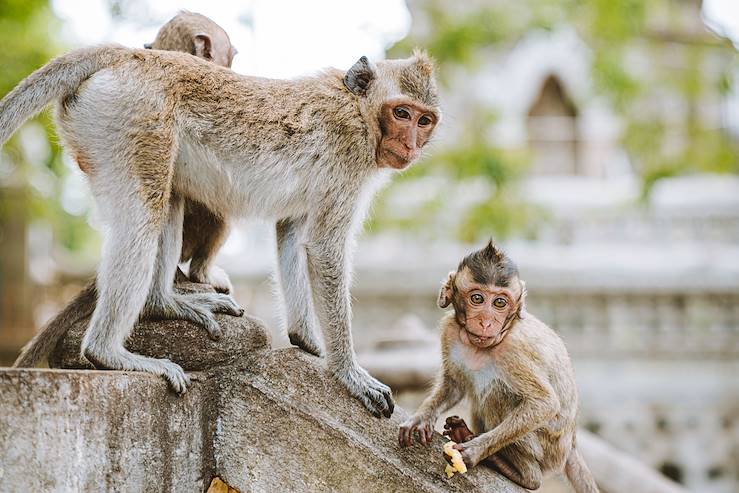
(458, 464)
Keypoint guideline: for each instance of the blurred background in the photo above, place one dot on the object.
(597, 141)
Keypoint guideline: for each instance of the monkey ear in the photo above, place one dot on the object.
(522, 313)
(359, 77)
(445, 293)
(202, 46)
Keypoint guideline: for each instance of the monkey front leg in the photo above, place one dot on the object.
(328, 271)
(446, 393)
(531, 414)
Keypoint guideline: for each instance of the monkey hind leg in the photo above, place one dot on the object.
(124, 278)
(293, 279)
(163, 302)
(523, 470)
(579, 474)
(132, 183)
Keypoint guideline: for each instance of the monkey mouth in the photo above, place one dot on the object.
(397, 161)
(479, 341)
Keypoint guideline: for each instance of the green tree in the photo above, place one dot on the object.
(30, 39)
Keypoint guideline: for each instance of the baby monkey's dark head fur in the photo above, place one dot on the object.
(487, 295)
(490, 265)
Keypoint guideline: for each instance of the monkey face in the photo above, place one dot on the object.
(406, 127)
(487, 296)
(486, 310)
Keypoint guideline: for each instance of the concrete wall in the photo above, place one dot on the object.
(274, 422)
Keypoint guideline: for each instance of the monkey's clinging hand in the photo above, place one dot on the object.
(515, 373)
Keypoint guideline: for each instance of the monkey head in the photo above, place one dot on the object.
(198, 35)
(487, 296)
(403, 96)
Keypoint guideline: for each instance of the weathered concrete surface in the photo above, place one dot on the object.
(275, 422)
(69, 431)
(185, 343)
(294, 428)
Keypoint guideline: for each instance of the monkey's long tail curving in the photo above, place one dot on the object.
(59, 78)
(47, 338)
(579, 474)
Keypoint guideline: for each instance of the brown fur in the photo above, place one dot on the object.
(198, 35)
(521, 388)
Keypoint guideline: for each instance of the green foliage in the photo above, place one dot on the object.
(29, 40)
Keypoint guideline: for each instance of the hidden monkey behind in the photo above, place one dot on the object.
(515, 373)
(203, 232)
(198, 35)
(309, 153)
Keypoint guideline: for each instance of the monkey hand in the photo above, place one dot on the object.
(472, 452)
(422, 425)
(375, 395)
(456, 429)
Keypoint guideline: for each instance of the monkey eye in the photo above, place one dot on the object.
(424, 121)
(500, 302)
(401, 113)
(477, 299)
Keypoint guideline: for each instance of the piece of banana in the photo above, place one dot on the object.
(457, 464)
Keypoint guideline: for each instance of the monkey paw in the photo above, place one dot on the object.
(303, 338)
(197, 308)
(472, 452)
(175, 376)
(375, 395)
(215, 277)
(423, 426)
(456, 429)
(122, 359)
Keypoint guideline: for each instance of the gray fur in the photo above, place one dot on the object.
(154, 128)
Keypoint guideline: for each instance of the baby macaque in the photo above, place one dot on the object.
(515, 373)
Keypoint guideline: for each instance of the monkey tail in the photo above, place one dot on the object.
(57, 79)
(579, 474)
(47, 338)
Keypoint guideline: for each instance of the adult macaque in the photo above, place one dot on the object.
(515, 373)
(156, 128)
(203, 232)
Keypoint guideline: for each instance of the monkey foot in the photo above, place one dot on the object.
(375, 395)
(121, 359)
(456, 429)
(215, 277)
(305, 342)
(198, 308)
(505, 468)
